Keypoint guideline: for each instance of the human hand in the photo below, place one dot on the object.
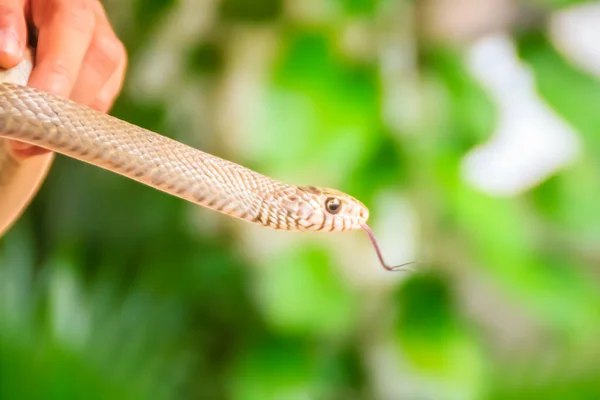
(78, 54)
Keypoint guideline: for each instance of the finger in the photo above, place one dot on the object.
(20, 150)
(13, 38)
(104, 57)
(13, 32)
(107, 95)
(65, 31)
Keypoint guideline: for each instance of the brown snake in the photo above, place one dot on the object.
(63, 126)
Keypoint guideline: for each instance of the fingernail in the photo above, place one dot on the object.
(9, 43)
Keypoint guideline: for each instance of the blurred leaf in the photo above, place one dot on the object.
(206, 58)
(570, 92)
(319, 108)
(578, 186)
(255, 11)
(559, 3)
(470, 115)
(274, 369)
(436, 340)
(360, 6)
(307, 296)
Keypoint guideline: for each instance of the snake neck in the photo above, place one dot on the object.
(270, 208)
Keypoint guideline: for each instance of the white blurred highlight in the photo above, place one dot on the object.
(530, 142)
(575, 32)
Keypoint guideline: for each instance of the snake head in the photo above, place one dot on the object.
(309, 208)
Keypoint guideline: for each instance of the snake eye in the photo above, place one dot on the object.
(333, 205)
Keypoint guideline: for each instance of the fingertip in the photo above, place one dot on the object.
(21, 151)
(52, 83)
(108, 94)
(13, 33)
(52, 77)
(102, 105)
(11, 50)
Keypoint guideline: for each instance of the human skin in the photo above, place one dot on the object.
(78, 54)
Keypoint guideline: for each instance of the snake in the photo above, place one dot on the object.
(74, 130)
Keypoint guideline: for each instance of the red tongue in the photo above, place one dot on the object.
(378, 251)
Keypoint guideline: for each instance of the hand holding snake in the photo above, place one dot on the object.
(40, 116)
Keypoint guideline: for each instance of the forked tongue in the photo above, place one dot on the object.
(378, 251)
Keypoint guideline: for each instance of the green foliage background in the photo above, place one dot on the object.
(111, 290)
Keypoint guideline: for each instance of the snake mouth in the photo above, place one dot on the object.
(363, 214)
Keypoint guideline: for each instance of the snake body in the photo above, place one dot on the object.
(63, 126)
